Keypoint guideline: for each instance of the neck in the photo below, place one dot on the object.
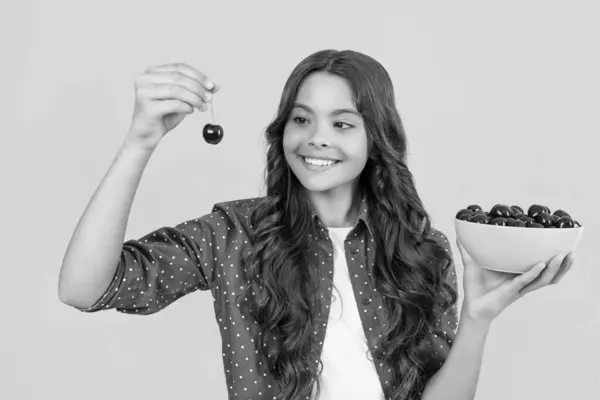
(338, 208)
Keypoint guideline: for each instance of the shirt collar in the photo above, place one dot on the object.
(363, 215)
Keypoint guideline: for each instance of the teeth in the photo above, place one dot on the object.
(322, 163)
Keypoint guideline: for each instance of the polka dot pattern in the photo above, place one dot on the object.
(445, 327)
(205, 254)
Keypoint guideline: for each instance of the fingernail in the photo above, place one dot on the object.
(207, 96)
(210, 85)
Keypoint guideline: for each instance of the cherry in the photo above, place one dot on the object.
(536, 209)
(501, 210)
(544, 219)
(533, 225)
(475, 208)
(517, 210)
(561, 213)
(500, 221)
(480, 219)
(213, 134)
(462, 213)
(564, 222)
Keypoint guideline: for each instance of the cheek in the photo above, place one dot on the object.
(287, 138)
(289, 144)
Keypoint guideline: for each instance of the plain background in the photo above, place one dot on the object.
(500, 103)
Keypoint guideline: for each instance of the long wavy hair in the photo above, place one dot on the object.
(409, 266)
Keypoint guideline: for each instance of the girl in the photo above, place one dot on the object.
(332, 286)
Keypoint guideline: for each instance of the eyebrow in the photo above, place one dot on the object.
(337, 111)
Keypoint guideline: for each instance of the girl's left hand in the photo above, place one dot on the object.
(488, 293)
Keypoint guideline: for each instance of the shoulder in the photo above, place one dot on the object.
(231, 213)
(227, 219)
(237, 208)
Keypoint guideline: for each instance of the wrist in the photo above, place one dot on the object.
(134, 144)
(473, 322)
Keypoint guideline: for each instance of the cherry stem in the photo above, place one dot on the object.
(212, 112)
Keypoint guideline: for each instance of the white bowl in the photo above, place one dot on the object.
(514, 249)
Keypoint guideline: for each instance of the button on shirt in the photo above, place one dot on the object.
(206, 254)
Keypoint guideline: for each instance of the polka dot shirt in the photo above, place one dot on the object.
(205, 254)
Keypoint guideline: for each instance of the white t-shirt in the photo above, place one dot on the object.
(347, 372)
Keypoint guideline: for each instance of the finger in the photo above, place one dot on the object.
(175, 106)
(564, 268)
(191, 72)
(545, 277)
(175, 92)
(180, 79)
(515, 285)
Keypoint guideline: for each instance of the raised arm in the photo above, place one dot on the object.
(164, 96)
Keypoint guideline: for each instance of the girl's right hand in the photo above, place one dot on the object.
(164, 95)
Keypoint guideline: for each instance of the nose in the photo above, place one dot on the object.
(318, 139)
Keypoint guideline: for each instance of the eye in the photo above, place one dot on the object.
(299, 120)
(343, 123)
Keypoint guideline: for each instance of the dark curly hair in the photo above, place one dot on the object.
(409, 266)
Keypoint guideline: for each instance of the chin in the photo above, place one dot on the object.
(316, 188)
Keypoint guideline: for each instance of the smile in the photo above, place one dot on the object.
(318, 163)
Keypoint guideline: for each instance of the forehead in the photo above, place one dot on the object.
(322, 90)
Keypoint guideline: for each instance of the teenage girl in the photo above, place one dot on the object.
(332, 286)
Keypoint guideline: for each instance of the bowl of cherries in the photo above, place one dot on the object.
(508, 239)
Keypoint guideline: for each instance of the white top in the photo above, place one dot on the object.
(347, 372)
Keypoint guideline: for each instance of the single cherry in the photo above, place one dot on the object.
(544, 219)
(475, 208)
(501, 210)
(561, 213)
(462, 213)
(213, 134)
(564, 222)
(500, 221)
(535, 209)
(480, 219)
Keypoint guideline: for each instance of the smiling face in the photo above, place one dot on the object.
(324, 141)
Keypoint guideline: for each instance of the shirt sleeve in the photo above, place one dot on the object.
(444, 329)
(163, 266)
